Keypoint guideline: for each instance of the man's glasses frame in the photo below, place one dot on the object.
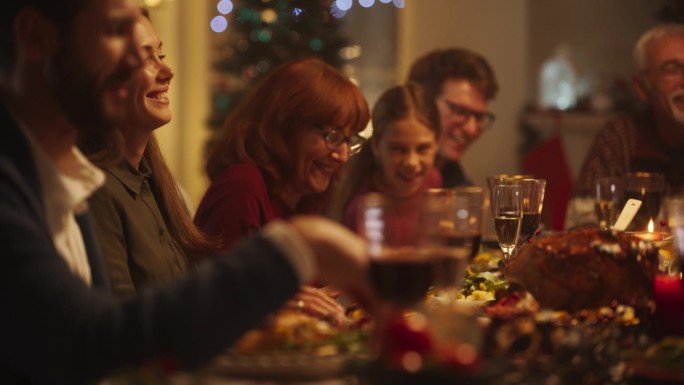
(484, 119)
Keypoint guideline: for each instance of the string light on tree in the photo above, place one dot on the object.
(255, 36)
(225, 7)
(219, 24)
(343, 5)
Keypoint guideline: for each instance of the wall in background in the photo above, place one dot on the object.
(516, 36)
(498, 31)
(601, 35)
(183, 26)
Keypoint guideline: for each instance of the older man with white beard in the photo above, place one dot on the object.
(650, 140)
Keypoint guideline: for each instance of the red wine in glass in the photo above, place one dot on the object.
(403, 281)
(529, 226)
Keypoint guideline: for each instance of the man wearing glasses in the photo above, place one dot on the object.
(652, 139)
(462, 84)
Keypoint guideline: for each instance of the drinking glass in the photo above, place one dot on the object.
(609, 193)
(508, 214)
(668, 288)
(675, 218)
(648, 188)
(495, 179)
(400, 271)
(532, 203)
(451, 229)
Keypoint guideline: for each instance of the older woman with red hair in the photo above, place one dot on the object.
(279, 152)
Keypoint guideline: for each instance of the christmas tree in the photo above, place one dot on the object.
(261, 35)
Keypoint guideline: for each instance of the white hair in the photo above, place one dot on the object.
(654, 34)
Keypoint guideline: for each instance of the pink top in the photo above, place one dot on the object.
(433, 180)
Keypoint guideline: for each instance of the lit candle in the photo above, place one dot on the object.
(668, 292)
(650, 235)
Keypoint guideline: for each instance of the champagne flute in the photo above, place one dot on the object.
(508, 213)
(608, 200)
(493, 180)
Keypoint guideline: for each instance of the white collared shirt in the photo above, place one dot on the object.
(67, 183)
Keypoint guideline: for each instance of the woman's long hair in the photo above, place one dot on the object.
(395, 104)
(173, 208)
(261, 130)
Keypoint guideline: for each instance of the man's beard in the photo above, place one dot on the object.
(83, 100)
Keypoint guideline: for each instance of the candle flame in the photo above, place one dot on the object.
(650, 226)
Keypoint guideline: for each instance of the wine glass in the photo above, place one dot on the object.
(648, 187)
(675, 218)
(532, 203)
(451, 229)
(608, 200)
(508, 213)
(400, 271)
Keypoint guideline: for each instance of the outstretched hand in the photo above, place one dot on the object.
(340, 255)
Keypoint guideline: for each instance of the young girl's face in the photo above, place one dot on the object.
(405, 155)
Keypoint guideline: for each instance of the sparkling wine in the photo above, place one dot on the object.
(507, 230)
(529, 226)
(606, 213)
(650, 207)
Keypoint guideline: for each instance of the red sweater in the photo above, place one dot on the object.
(238, 204)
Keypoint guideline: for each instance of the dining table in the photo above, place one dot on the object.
(536, 350)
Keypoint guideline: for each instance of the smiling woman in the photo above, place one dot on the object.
(281, 148)
(279, 152)
(140, 216)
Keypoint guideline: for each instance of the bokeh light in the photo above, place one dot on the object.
(219, 24)
(225, 6)
(385, 1)
(398, 3)
(152, 3)
(269, 15)
(336, 12)
(350, 52)
(343, 5)
(316, 44)
(366, 3)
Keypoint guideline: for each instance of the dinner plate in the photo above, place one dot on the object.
(287, 366)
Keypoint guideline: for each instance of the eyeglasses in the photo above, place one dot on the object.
(670, 70)
(334, 138)
(463, 113)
